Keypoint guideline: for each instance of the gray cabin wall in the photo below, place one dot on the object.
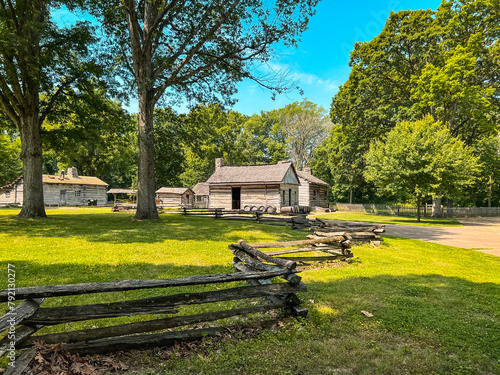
(285, 190)
(251, 195)
(304, 199)
(176, 200)
(73, 195)
(290, 177)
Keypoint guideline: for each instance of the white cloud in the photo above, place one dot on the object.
(303, 78)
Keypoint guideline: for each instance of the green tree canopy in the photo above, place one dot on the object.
(37, 57)
(92, 133)
(443, 62)
(306, 125)
(10, 150)
(421, 158)
(195, 52)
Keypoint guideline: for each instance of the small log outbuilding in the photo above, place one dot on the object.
(201, 195)
(175, 197)
(313, 192)
(64, 190)
(240, 187)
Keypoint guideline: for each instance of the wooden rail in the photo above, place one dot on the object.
(325, 249)
(30, 316)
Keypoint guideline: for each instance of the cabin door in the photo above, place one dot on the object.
(62, 198)
(236, 198)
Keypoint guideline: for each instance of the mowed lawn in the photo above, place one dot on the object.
(436, 308)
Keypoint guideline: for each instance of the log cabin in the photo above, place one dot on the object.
(201, 195)
(175, 197)
(313, 192)
(242, 187)
(63, 190)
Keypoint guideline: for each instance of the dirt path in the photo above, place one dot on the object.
(482, 234)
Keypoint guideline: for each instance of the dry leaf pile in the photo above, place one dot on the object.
(55, 360)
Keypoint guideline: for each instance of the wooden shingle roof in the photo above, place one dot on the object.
(201, 188)
(253, 174)
(54, 179)
(122, 191)
(173, 190)
(80, 180)
(310, 178)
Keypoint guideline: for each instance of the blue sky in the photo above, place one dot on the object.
(320, 63)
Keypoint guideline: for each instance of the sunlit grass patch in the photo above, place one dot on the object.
(390, 219)
(436, 309)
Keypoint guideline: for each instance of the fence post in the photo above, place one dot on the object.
(184, 211)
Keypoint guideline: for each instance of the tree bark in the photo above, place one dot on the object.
(31, 156)
(142, 54)
(146, 203)
(418, 208)
(436, 207)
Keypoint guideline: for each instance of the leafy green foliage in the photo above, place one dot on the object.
(38, 57)
(265, 140)
(421, 158)
(93, 134)
(170, 138)
(306, 125)
(443, 62)
(10, 167)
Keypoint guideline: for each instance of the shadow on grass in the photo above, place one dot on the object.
(454, 316)
(32, 273)
(447, 324)
(122, 228)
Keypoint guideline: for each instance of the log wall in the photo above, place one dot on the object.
(285, 201)
(251, 195)
(311, 194)
(220, 197)
(74, 195)
(176, 200)
(13, 195)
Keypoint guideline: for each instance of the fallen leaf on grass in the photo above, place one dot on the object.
(366, 313)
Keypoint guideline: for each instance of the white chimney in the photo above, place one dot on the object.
(307, 170)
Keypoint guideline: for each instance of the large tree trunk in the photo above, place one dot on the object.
(31, 155)
(142, 56)
(436, 207)
(146, 196)
(419, 198)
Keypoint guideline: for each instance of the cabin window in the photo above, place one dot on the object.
(295, 198)
(78, 193)
(284, 197)
(7, 194)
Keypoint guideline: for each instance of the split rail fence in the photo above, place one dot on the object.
(253, 267)
(425, 210)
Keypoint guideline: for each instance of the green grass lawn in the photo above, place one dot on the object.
(436, 308)
(390, 219)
